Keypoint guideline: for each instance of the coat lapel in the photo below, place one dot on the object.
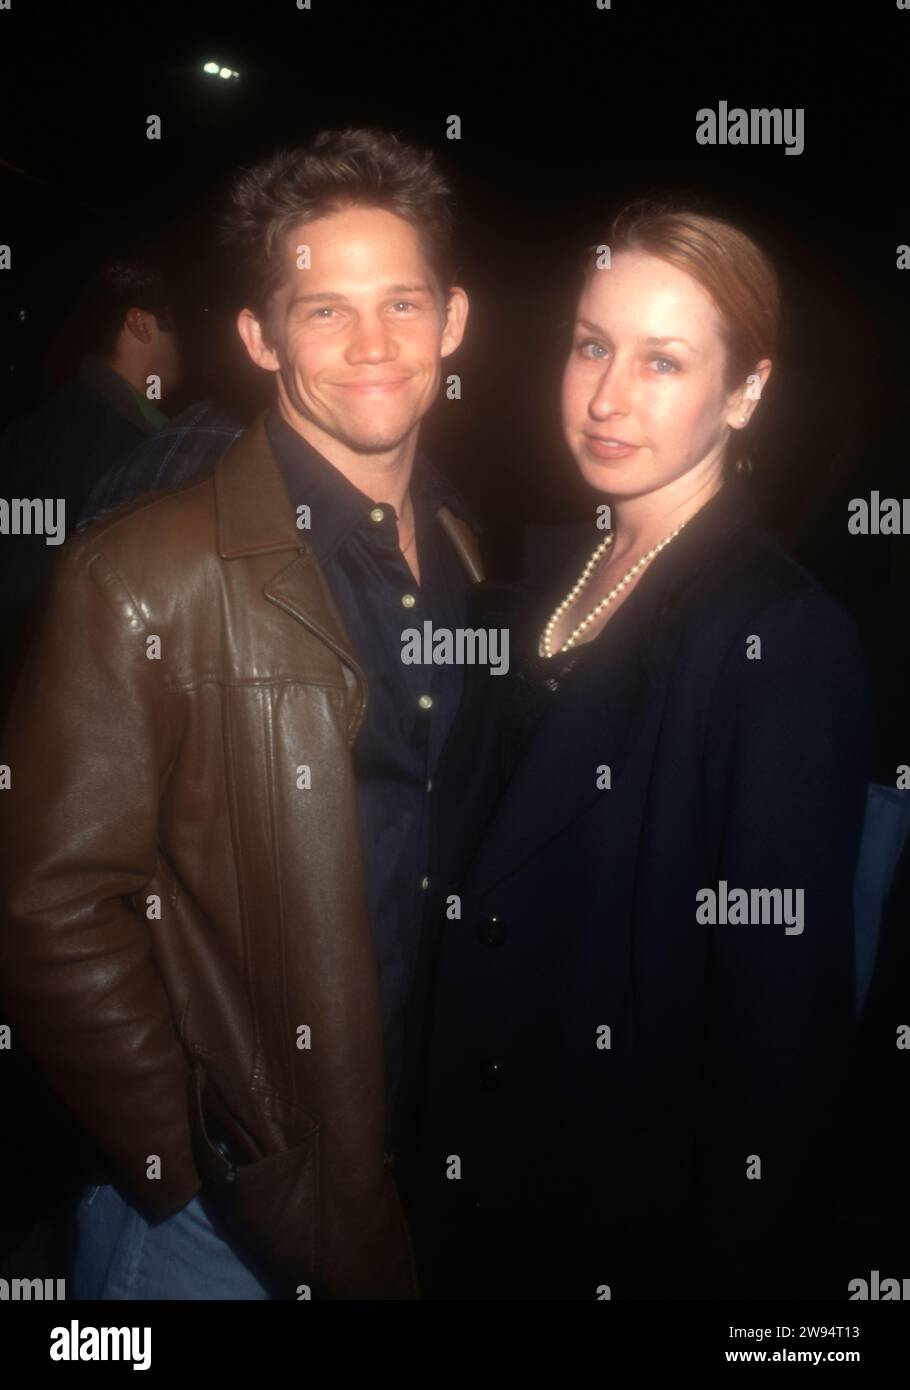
(254, 517)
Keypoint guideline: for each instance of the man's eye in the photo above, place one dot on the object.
(403, 304)
(317, 313)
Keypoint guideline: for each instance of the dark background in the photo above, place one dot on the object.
(567, 111)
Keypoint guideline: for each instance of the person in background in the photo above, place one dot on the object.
(131, 361)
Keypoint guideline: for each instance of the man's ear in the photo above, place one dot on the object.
(139, 324)
(251, 332)
(456, 318)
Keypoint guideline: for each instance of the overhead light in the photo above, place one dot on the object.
(216, 70)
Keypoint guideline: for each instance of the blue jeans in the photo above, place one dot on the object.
(120, 1255)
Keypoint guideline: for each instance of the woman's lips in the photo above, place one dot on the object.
(607, 448)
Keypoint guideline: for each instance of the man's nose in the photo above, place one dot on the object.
(371, 341)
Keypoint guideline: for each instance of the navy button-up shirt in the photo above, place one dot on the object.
(355, 540)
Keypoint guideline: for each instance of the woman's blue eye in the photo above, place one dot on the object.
(665, 365)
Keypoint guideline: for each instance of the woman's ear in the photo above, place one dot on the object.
(743, 401)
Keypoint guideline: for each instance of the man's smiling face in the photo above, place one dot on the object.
(357, 338)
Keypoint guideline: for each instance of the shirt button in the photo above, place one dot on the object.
(408, 600)
(424, 882)
(425, 702)
(429, 784)
(377, 514)
(490, 1073)
(492, 932)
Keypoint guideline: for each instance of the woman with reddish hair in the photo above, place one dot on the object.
(644, 1000)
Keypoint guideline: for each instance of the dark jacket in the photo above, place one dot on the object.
(590, 1158)
(58, 451)
(185, 946)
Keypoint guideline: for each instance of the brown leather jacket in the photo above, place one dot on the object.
(184, 940)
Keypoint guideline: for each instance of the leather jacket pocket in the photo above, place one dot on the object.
(269, 1201)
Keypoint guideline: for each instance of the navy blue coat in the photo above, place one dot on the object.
(552, 1158)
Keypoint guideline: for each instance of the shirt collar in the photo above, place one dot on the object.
(97, 372)
(337, 507)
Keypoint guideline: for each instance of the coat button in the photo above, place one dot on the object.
(492, 932)
(490, 1074)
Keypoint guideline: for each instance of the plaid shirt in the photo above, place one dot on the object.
(182, 453)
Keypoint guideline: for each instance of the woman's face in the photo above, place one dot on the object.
(643, 399)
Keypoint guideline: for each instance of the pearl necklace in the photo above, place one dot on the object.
(572, 595)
